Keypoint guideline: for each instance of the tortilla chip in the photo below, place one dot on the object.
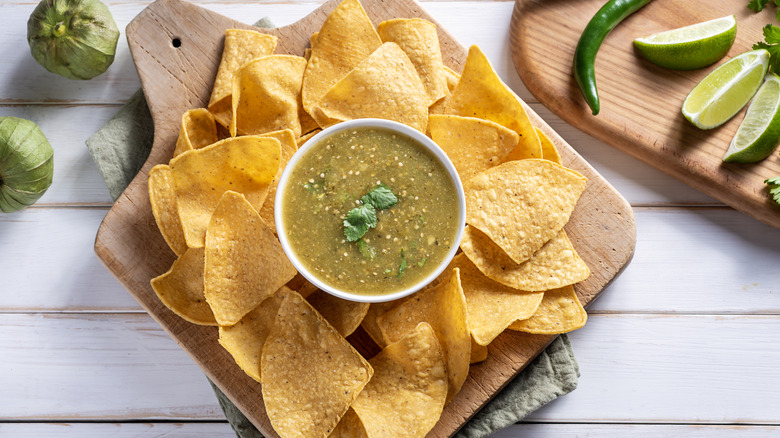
(491, 307)
(198, 130)
(162, 196)
(347, 37)
(311, 374)
(304, 138)
(241, 46)
(444, 308)
(481, 93)
(472, 144)
(289, 147)
(181, 288)
(244, 341)
(452, 82)
(418, 39)
(522, 204)
(246, 165)
(549, 152)
(390, 88)
(554, 265)
(559, 312)
(345, 316)
(267, 95)
(245, 263)
(479, 353)
(370, 325)
(406, 396)
(349, 426)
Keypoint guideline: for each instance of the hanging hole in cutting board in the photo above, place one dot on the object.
(176, 42)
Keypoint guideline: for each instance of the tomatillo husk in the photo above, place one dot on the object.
(26, 163)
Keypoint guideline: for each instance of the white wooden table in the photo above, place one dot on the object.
(686, 342)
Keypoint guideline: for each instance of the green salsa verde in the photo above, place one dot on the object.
(410, 238)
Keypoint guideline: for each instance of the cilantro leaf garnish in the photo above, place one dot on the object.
(772, 44)
(358, 221)
(774, 188)
(366, 250)
(757, 5)
(381, 197)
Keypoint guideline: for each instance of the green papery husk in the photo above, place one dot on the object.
(23, 197)
(9, 204)
(26, 163)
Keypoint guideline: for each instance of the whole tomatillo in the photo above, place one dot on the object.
(73, 38)
(26, 163)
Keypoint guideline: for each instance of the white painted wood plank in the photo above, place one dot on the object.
(673, 369)
(635, 368)
(117, 430)
(635, 431)
(712, 260)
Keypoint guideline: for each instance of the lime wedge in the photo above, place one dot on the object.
(759, 132)
(722, 93)
(690, 47)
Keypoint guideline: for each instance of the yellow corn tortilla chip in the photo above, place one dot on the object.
(311, 374)
(478, 352)
(418, 39)
(181, 288)
(370, 325)
(345, 316)
(241, 46)
(522, 204)
(406, 396)
(246, 165)
(304, 138)
(349, 426)
(289, 147)
(452, 82)
(491, 307)
(244, 341)
(198, 130)
(267, 95)
(472, 144)
(444, 308)
(346, 38)
(481, 93)
(162, 196)
(245, 263)
(559, 312)
(554, 265)
(549, 151)
(390, 88)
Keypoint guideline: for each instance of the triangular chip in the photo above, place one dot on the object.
(345, 316)
(481, 93)
(390, 88)
(162, 196)
(267, 95)
(549, 152)
(478, 352)
(349, 426)
(198, 130)
(246, 165)
(444, 308)
(418, 39)
(522, 204)
(491, 307)
(559, 312)
(406, 396)
(181, 288)
(245, 340)
(452, 82)
(311, 374)
(346, 38)
(289, 147)
(554, 265)
(241, 46)
(472, 144)
(245, 263)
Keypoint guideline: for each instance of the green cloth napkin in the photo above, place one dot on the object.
(122, 145)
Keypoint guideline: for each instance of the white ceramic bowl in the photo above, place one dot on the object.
(420, 138)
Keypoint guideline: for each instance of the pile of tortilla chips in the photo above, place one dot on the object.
(213, 203)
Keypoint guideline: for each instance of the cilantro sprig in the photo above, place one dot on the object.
(772, 44)
(774, 188)
(360, 219)
(759, 5)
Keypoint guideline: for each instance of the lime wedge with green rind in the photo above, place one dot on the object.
(725, 91)
(690, 47)
(759, 132)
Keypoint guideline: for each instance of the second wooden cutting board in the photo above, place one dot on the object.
(640, 102)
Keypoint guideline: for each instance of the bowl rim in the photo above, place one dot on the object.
(406, 130)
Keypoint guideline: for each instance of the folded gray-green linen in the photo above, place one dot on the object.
(122, 145)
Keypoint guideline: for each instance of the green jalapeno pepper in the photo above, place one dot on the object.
(609, 16)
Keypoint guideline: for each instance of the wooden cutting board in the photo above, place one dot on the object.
(176, 47)
(640, 102)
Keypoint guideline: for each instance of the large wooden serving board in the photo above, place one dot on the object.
(640, 102)
(177, 77)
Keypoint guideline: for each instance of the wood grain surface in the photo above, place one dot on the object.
(640, 102)
(175, 79)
